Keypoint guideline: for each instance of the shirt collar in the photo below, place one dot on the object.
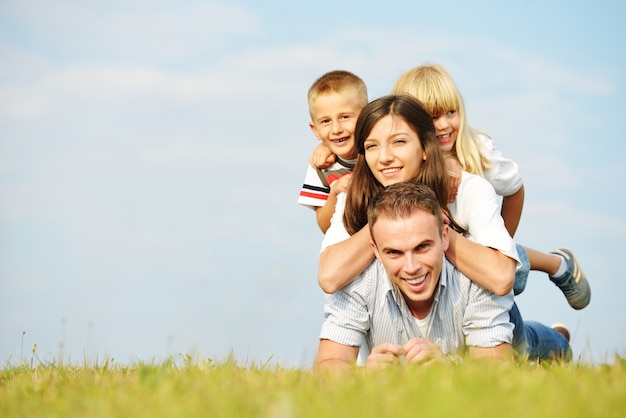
(347, 163)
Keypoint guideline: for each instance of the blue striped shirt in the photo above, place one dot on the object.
(463, 314)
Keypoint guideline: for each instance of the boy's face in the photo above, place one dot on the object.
(334, 119)
(411, 249)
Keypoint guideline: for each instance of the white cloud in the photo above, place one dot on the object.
(133, 30)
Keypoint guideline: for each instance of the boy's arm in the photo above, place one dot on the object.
(486, 266)
(335, 356)
(322, 157)
(512, 210)
(325, 213)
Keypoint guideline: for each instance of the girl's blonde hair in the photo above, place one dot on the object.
(432, 85)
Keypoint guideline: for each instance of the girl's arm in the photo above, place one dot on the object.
(342, 262)
(504, 176)
(483, 265)
(512, 210)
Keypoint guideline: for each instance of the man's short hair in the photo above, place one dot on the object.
(401, 200)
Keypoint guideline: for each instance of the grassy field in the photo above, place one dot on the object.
(207, 389)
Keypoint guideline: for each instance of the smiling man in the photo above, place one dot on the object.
(411, 304)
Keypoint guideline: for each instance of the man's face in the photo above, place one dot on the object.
(411, 249)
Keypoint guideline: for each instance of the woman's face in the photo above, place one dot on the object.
(393, 151)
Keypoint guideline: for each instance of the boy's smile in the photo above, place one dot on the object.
(334, 118)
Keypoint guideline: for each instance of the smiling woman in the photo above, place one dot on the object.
(396, 132)
(390, 151)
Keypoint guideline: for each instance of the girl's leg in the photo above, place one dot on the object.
(562, 269)
(548, 263)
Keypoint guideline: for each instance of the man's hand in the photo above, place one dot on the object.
(422, 351)
(322, 157)
(384, 355)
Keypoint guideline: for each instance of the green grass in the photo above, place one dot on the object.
(209, 389)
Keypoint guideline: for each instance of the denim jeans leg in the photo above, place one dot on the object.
(537, 341)
(521, 274)
(519, 334)
(544, 343)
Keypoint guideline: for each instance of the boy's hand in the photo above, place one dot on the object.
(341, 185)
(322, 157)
(423, 351)
(384, 355)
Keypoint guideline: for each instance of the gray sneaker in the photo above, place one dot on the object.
(573, 282)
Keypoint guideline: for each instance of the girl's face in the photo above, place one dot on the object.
(447, 129)
(393, 151)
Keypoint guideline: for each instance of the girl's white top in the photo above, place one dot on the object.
(504, 173)
(477, 209)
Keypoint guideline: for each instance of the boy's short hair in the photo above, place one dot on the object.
(337, 82)
(401, 200)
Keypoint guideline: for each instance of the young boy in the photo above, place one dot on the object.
(335, 101)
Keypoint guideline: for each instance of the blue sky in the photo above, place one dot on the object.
(151, 154)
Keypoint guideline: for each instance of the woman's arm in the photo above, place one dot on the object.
(342, 262)
(483, 265)
(489, 258)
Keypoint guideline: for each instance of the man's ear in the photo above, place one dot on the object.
(314, 130)
(445, 239)
(373, 244)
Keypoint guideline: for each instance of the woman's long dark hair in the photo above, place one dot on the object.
(364, 186)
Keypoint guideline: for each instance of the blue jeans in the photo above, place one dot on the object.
(521, 274)
(536, 341)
